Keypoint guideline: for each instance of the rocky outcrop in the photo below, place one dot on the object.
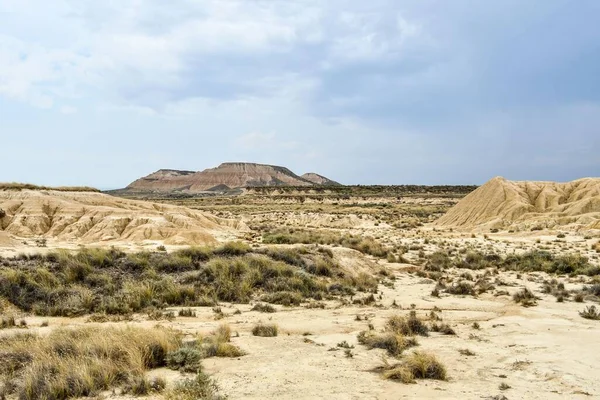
(78, 217)
(319, 179)
(501, 203)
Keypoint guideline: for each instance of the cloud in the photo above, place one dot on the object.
(263, 141)
(384, 91)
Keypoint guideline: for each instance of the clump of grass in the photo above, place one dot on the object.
(185, 359)
(142, 386)
(186, 312)
(394, 344)
(590, 312)
(407, 326)
(417, 365)
(8, 322)
(265, 330)
(443, 328)
(199, 387)
(525, 297)
(466, 352)
(461, 288)
(82, 361)
(264, 308)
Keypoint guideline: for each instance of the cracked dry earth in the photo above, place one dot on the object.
(542, 352)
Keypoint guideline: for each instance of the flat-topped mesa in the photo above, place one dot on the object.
(501, 203)
(228, 175)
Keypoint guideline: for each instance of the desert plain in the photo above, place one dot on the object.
(303, 292)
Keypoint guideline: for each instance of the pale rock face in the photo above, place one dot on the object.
(501, 203)
(225, 176)
(84, 217)
(318, 179)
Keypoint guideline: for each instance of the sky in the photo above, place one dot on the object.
(101, 93)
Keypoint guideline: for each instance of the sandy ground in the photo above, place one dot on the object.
(542, 352)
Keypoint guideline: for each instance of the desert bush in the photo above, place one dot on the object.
(525, 297)
(185, 359)
(461, 288)
(78, 362)
(393, 343)
(438, 261)
(590, 312)
(442, 328)
(466, 352)
(407, 326)
(283, 298)
(186, 312)
(265, 330)
(200, 387)
(417, 365)
(265, 308)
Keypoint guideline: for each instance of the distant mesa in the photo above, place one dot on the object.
(527, 205)
(225, 177)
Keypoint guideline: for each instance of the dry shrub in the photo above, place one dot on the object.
(590, 312)
(200, 387)
(81, 362)
(265, 330)
(394, 344)
(525, 297)
(407, 326)
(417, 365)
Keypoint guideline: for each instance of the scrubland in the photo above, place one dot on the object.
(327, 295)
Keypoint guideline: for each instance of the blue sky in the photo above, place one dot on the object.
(370, 92)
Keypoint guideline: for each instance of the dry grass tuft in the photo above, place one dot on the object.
(407, 326)
(417, 365)
(81, 362)
(265, 330)
(590, 312)
(393, 343)
(525, 297)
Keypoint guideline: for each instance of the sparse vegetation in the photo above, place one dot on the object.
(292, 236)
(112, 282)
(525, 297)
(265, 330)
(417, 365)
(590, 312)
(82, 361)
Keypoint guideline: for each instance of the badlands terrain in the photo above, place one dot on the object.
(284, 286)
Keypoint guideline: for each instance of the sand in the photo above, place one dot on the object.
(504, 204)
(64, 218)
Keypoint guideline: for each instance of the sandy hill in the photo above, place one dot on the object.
(224, 177)
(501, 203)
(318, 179)
(80, 217)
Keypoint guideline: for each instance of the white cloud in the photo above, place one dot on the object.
(263, 141)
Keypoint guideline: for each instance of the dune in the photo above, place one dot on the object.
(501, 203)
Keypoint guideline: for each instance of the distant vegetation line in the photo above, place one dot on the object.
(28, 186)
